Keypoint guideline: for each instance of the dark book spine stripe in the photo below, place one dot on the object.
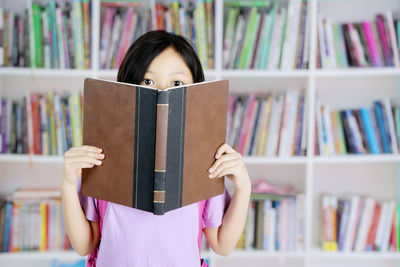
(175, 148)
(145, 136)
(161, 152)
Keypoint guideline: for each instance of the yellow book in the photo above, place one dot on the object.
(57, 230)
(43, 227)
(265, 130)
(50, 110)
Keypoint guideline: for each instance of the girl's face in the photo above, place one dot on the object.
(168, 69)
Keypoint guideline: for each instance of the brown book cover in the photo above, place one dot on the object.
(158, 144)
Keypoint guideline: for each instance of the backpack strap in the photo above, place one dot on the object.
(102, 207)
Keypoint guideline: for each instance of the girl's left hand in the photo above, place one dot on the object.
(230, 163)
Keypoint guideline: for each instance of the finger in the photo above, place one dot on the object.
(76, 153)
(80, 165)
(224, 166)
(87, 148)
(221, 160)
(225, 171)
(224, 148)
(83, 159)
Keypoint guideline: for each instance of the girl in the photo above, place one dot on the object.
(131, 237)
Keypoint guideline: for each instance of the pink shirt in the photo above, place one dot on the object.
(136, 238)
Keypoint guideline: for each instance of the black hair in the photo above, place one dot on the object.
(148, 46)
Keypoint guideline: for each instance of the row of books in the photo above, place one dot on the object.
(357, 131)
(193, 20)
(272, 36)
(268, 124)
(121, 26)
(360, 224)
(274, 223)
(41, 124)
(32, 219)
(359, 44)
(52, 35)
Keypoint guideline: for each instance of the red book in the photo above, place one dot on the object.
(373, 228)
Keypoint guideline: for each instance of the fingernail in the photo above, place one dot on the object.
(211, 169)
(101, 155)
(217, 156)
(211, 175)
(98, 162)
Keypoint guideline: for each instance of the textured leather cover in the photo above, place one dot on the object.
(131, 123)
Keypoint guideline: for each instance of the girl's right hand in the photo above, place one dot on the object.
(77, 158)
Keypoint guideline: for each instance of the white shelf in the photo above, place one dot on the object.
(33, 255)
(357, 72)
(364, 255)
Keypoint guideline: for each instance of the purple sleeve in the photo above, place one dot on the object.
(88, 204)
(214, 210)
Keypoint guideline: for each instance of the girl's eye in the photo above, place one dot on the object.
(147, 82)
(177, 83)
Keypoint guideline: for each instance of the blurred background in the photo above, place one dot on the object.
(314, 109)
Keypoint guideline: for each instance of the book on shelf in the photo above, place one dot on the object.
(52, 35)
(192, 19)
(41, 123)
(31, 219)
(365, 130)
(161, 142)
(365, 43)
(268, 124)
(266, 35)
(121, 25)
(275, 222)
(359, 223)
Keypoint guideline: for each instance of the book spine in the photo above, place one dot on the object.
(160, 152)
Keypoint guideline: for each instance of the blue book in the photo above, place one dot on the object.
(7, 227)
(344, 219)
(366, 118)
(381, 126)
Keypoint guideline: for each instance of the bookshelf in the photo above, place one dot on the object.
(374, 175)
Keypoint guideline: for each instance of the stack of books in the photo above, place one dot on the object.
(266, 35)
(32, 219)
(193, 20)
(273, 124)
(360, 224)
(275, 222)
(41, 123)
(121, 24)
(54, 35)
(366, 130)
(367, 43)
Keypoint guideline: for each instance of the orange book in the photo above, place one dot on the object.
(373, 228)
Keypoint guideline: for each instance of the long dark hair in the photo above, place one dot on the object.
(148, 46)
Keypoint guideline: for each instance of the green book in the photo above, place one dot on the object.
(37, 28)
(249, 37)
(229, 33)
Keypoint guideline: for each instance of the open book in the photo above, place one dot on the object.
(158, 144)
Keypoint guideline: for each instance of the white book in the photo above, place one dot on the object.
(236, 121)
(289, 47)
(393, 40)
(240, 27)
(381, 226)
(300, 222)
(229, 33)
(331, 46)
(250, 233)
(352, 223)
(59, 38)
(273, 130)
(273, 62)
(46, 46)
(114, 40)
(329, 131)
(264, 119)
(272, 229)
(287, 138)
(56, 103)
(392, 132)
(355, 37)
(388, 225)
(322, 44)
(365, 224)
(306, 37)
